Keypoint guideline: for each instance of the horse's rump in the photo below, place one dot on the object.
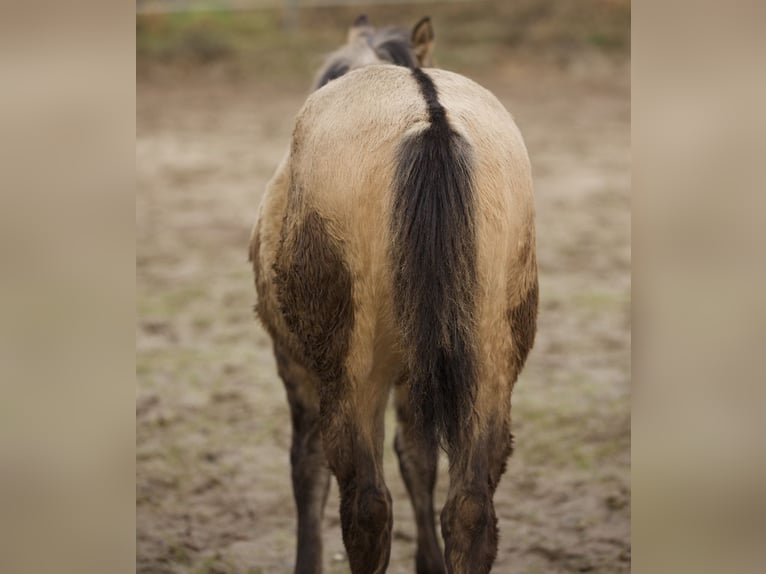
(427, 199)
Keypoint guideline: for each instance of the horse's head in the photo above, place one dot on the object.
(367, 45)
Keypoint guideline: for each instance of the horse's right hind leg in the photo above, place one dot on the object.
(469, 523)
(418, 462)
(310, 473)
(468, 520)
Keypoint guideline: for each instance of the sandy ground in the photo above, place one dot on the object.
(213, 489)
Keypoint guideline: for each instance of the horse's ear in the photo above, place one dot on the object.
(423, 41)
(360, 26)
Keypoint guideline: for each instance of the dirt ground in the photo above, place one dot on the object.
(212, 425)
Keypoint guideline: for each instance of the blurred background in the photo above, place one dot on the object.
(218, 86)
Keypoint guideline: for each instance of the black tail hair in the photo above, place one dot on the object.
(434, 259)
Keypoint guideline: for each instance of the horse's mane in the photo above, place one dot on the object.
(390, 44)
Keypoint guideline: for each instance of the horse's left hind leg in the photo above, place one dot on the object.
(352, 435)
(310, 473)
(418, 462)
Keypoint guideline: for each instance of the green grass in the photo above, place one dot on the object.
(470, 35)
(216, 565)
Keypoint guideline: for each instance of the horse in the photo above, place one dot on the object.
(394, 253)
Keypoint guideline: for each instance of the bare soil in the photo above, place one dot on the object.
(213, 432)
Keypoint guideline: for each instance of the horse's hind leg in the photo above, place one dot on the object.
(352, 420)
(310, 473)
(469, 524)
(418, 461)
(328, 317)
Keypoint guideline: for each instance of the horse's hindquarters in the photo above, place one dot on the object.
(397, 242)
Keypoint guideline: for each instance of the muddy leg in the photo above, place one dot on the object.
(469, 524)
(418, 463)
(352, 436)
(310, 473)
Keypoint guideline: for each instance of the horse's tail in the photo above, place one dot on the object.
(434, 262)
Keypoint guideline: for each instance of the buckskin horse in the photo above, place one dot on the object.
(394, 251)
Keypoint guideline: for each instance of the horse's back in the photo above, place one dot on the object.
(347, 140)
(342, 166)
(346, 146)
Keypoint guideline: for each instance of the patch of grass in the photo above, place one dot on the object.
(254, 42)
(170, 302)
(607, 41)
(179, 554)
(470, 35)
(582, 460)
(216, 565)
(170, 361)
(203, 36)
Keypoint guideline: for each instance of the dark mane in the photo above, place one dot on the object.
(393, 45)
(334, 70)
(390, 45)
